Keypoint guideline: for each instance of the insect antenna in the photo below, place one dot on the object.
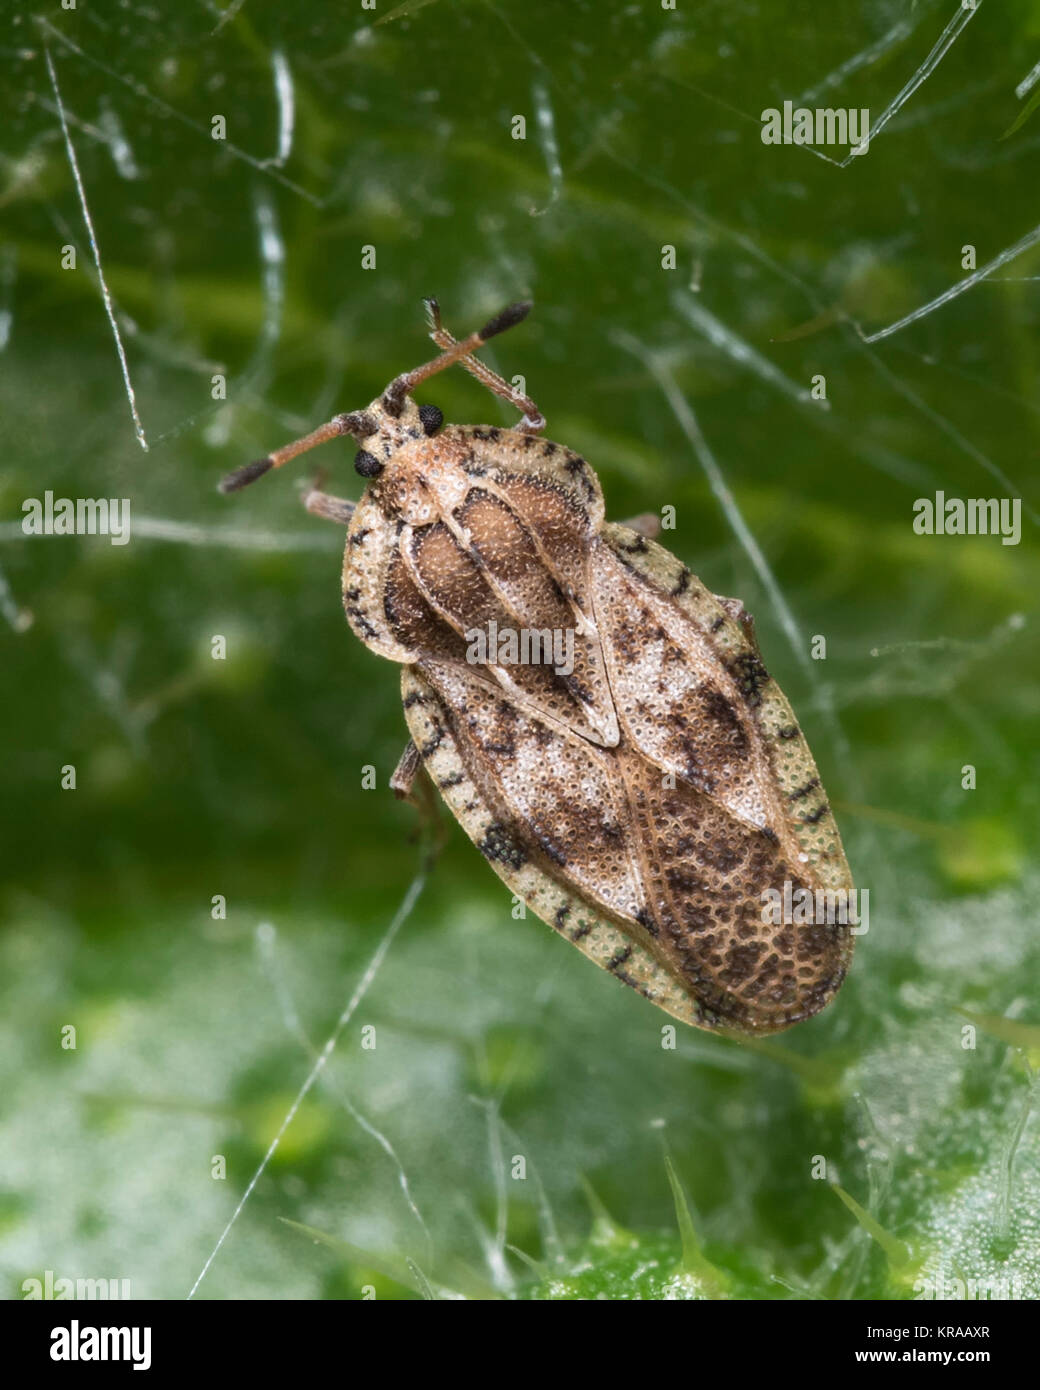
(455, 351)
(533, 419)
(361, 424)
(356, 422)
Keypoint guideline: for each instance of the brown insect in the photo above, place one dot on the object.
(644, 797)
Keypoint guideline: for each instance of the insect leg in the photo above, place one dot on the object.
(323, 504)
(533, 420)
(402, 779)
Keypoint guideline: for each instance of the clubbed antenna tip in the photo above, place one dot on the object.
(248, 473)
(514, 314)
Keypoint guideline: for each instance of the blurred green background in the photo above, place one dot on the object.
(349, 128)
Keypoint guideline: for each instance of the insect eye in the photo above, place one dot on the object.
(432, 418)
(367, 464)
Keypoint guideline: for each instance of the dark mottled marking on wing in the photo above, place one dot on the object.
(499, 843)
(432, 744)
(751, 677)
(645, 920)
(706, 873)
(549, 847)
(804, 791)
(354, 610)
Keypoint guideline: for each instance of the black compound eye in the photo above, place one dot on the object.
(432, 418)
(367, 464)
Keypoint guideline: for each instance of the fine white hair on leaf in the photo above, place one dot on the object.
(257, 370)
(108, 132)
(688, 424)
(738, 350)
(949, 36)
(902, 29)
(546, 123)
(144, 94)
(226, 16)
(283, 89)
(364, 984)
(1028, 82)
(1010, 253)
(495, 1245)
(114, 136)
(546, 1220)
(154, 528)
(95, 248)
(899, 31)
(722, 337)
(7, 278)
(266, 937)
(20, 619)
(950, 430)
(1007, 1158)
